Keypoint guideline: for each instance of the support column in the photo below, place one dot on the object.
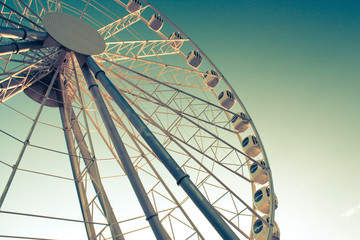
(90, 230)
(151, 216)
(93, 171)
(180, 176)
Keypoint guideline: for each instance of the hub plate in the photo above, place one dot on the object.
(73, 33)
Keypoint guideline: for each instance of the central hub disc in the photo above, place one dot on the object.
(73, 33)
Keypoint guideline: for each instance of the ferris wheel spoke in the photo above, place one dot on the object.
(92, 170)
(9, 182)
(132, 74)
(191, 146)
(160, 103)
(150, 72)
(204, 110)
(139, 144)
(193, 123)
(177, 141)
(80, 188)
(185, 116)
(29, 12)
(81, 12)
(143, 199)
(88, 109)
(16, 82)
(182, 179)
(14, 86)
(117, 26)
(27, 66)
(157, 112)
(54, 5)
(21, 18)
(138, 49)
(8, 22)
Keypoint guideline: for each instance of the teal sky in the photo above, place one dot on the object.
(295, 65)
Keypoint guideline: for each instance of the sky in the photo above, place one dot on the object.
(295, 66)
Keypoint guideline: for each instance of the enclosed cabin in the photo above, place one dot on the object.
(133, 6)
(262, 200)
(175, 44)
(251, 146)
(259, 174)
(194, 59)
(211, 79)
(240, 122)
(260, 229)
(226, 99)
(155, 23)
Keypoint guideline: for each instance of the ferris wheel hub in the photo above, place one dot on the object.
(74, 33)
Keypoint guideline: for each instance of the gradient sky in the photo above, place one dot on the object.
(295, 65)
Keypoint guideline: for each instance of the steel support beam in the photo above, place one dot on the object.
(20, 47)
(92, 168)
(180, 176)
(22, 33)
(80, 188)
(151, 216)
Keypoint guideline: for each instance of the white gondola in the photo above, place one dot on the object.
(226, 99)
(260, 229)
(155, 23)
(175, 44)
(133, 6)
(211, 79)
(240, 122)
(194, 59)
(259, 174)
(251, 146)
(262, 200)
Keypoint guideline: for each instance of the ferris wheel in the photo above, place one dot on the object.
(115, 125)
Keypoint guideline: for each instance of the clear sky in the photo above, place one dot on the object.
(295, 65)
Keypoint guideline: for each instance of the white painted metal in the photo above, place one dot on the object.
(262, 200)
(260, 230)
(133, 5)
(259, 174)
(240, 122)
(194, 59)
(226, 99)
(211, 78)
(155, 23)
(251, 146)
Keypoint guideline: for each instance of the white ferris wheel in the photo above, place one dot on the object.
(115, 125)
